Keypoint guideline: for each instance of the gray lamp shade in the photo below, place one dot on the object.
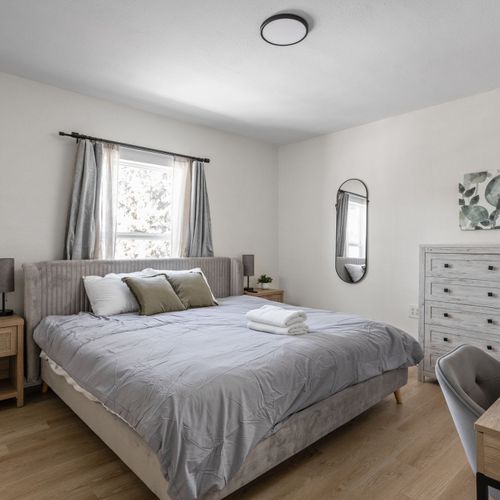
(248, 265)
(6, 275)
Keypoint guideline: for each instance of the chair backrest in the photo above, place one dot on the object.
(470, 381)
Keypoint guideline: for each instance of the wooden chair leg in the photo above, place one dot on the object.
(397, 395)
(45, 388)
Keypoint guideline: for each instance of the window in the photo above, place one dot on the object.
(144, 212)
(356, 227)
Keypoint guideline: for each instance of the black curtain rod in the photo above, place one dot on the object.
(76, 135)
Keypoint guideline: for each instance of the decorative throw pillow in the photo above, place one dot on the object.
(154, 294)
(151, 272)
(192, 289)
(109, 295)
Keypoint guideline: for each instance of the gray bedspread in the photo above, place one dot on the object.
(202, 389)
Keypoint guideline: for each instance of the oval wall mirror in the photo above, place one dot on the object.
(351, 234)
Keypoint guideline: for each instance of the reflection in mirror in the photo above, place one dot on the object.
(352, 214)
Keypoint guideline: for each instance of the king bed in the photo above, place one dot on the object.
(195, 403)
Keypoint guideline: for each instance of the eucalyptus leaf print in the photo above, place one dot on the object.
(479, 201)
(475, 213)
(492, 191)
(476, 177)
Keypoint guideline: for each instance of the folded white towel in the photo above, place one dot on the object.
(297, 329)
(276, 316)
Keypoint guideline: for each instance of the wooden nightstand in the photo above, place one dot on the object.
(267, 293)
(12, 347)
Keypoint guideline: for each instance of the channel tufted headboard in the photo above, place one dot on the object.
(56, 288)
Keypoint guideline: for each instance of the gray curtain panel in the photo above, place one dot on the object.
(92, 216)
(342, 207)
(200, 226)
(80, 235)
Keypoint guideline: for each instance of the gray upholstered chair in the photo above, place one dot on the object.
(470, 381)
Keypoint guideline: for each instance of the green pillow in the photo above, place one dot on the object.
(154, 294)
(192, 289)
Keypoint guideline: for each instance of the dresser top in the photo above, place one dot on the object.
(465, 249)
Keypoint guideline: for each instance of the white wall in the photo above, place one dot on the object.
(36, 168)
(412, 164)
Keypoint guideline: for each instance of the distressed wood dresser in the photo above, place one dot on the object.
(459, 301)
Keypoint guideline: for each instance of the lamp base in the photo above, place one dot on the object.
(6, 312)
(249, 290)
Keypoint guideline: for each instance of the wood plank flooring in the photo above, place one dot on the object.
(402, 452)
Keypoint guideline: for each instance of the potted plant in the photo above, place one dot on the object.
(264, 281)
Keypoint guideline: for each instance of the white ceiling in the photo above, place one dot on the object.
(204, 61)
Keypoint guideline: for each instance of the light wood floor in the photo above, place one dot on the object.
(403, 452)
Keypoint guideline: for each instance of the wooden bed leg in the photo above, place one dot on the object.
(45, 388)
(397, 395)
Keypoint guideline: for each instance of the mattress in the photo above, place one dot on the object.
(203, 390)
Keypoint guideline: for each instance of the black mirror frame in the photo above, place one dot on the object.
(367, 226)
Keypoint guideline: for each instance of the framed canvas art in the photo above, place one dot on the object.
(479, 201)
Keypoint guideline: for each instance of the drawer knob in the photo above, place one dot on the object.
(446, 290)
(446, 315)
(490, 294)
(490, 348)
(491, 268)
(447, 266)
(490, 321)
(445, 339)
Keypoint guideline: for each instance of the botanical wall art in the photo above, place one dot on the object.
(479, 201)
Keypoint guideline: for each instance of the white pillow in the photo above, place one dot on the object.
(151, 272)
(109, 295)
(356, 271)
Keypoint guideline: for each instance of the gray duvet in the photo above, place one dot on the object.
(202, 389)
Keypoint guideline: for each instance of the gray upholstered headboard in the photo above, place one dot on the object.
(56, 288)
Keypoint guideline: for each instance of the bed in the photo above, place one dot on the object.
(263, 398)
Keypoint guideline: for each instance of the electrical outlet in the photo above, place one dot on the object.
(413, 311)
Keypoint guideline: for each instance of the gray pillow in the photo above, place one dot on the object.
(192, 289)
(154, 294)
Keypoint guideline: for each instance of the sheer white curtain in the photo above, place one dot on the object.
(107, 161)
(181, 200)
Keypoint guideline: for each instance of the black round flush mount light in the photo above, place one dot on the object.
(284, 29)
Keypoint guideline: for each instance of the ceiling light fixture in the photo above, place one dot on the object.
(284, 29)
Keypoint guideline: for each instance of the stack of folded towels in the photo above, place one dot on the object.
(274, 319)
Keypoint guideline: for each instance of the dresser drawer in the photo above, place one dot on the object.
(473, 267)
(8, 341)
(469, 319)
(477, 294)
(442, 340)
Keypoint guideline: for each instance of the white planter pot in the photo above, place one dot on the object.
(265, 285)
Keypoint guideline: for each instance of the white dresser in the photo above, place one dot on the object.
(459, 300)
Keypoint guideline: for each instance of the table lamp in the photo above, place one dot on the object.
(248, 269)
(6, 282)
